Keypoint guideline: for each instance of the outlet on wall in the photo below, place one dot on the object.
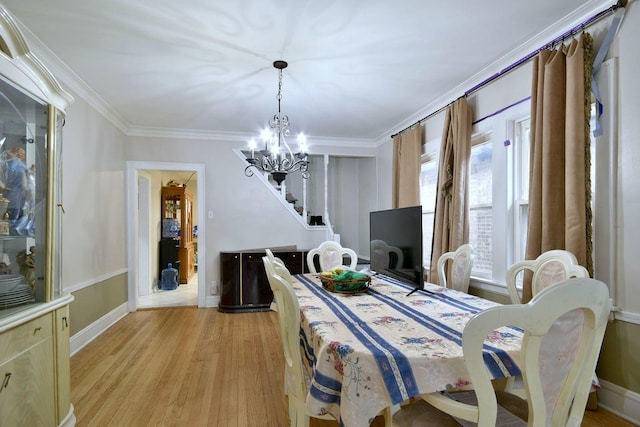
(214, 287)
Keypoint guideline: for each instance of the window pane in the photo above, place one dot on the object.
(524, 147)
(428, 183)
(427, 237)
(428, 179)
(521, 202)
(481, 209)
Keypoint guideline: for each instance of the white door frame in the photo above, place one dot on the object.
(133, 169)
(144, 257)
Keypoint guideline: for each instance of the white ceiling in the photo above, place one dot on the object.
(357, 69)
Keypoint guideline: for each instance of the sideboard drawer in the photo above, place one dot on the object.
(25, 336)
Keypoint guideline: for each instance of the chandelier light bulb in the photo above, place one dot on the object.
(266, 135)
(302, 141)
(252, 147)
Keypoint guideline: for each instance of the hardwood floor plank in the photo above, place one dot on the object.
(193, 367)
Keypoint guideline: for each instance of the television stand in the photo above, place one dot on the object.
(414, 289)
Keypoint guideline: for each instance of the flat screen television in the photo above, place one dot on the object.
(396, 244)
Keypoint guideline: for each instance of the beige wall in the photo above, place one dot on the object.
(93, 302)
(619, 362)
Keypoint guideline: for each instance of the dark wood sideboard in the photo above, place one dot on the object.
(244, 286)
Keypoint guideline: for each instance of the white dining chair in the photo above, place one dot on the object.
(270, 268)
(557, 378)
(549, 268)
(382, 254)
(331, 255)
(459, 270)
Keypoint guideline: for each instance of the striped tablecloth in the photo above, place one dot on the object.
(368, 351)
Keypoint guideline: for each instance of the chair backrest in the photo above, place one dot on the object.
(279, 266)
(578, 306)
(330, 255)
(289, 315)
(383, 254)
(460, 269)
(269, 254)
(549, 268)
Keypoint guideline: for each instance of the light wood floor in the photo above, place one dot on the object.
(193, 367)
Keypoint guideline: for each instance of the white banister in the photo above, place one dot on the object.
(327, 220)
(304, 200)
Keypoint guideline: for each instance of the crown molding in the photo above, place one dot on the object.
(192, 134)
(578, 16)
(242, 137)
(65, 75)
(71, 80)
(24, 69)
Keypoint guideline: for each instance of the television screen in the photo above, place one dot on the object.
(396, 244)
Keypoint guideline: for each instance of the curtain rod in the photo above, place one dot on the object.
(571, 32)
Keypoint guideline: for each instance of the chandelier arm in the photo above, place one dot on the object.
(286, 164)
(267, 164)
(284, 141)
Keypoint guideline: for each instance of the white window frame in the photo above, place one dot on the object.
(502, 128)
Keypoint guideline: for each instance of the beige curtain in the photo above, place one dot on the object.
(407, 153)
(559, 181)
(451, 222)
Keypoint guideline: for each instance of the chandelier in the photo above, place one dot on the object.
(277, 158)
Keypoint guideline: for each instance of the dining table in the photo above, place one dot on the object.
(370, 350)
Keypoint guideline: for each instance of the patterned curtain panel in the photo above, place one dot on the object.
(407, 153)
(451, 221)
(559, 181)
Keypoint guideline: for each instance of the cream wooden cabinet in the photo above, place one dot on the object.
(28, 375)
(34, 312)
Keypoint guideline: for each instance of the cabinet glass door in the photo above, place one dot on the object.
(24, 173)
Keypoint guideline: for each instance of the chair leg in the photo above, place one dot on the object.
(286, 381)
(297, 413)
(388, 414)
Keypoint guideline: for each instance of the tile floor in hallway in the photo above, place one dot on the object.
(186, 294)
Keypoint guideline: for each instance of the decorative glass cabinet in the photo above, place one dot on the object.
(23, 202)
(34, 313)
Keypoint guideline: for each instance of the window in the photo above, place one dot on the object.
(481, 204)
(491, 191)
(499, 191)
(428, 182)
(522, 148)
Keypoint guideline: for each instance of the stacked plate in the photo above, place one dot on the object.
(13, 290)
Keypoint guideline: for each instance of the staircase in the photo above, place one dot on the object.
(297, 205)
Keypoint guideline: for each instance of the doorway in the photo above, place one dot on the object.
(143, 179)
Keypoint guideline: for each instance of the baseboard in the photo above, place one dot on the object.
(212, 300)
(91, 332)
(620, 401)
